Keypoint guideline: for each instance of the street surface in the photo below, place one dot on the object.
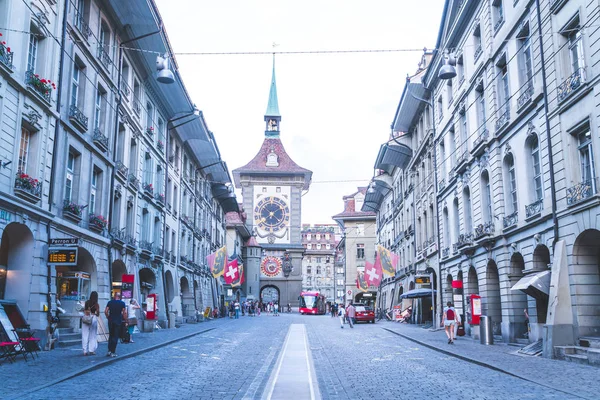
(236, 360)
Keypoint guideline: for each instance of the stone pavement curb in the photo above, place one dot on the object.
(109, 361)
(481, 363)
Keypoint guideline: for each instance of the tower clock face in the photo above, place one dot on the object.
(271, 214)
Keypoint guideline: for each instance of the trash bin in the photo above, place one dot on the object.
(485, 330)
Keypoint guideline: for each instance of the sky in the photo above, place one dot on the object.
(336, 108)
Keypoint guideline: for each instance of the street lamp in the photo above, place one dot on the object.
(448, 71)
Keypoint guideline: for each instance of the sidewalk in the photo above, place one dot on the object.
(574, 379)
(64, 363)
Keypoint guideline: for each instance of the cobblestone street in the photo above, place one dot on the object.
(236, 358)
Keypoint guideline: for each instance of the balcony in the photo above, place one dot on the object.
(78, 119)
(39, 86)
(445, 252)
(442, 184)
(464, 240)
(570, 85)
(149, 189)
(480, 142)
(525, 97)
(100, 140)
(484, 230)
(125, 91)
(187, 220)
(534, 209)
(146, 247)
(122, 169)
(499, 23)
(97, 223)
(461, 161)
(72, 211)
(82, 26)
(6, 56)
(137, 106)
(133, 181)
(118, 236)
(158, 252)
(511, 220)
(409, 232)
(503, 120)
(104, 57)
(478, 53)
(131, 241)
(580, 192)
(28, 188)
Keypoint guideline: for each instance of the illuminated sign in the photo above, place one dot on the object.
(422, 279)
(62, 255)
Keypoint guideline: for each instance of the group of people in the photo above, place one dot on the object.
(254, 308)
(117, 313)
(345, 314)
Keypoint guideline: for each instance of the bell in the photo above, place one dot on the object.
(165, 76)
(447, 72)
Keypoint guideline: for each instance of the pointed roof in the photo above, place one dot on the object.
(273, 106)
(284, 165)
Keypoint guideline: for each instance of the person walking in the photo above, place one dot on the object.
(89, 332)
(342, 315)
(351, 314)
(116, 313)
(276, 309)
(236, 307)
(132, 321)
(450, 319)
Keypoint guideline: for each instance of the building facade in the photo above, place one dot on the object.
(357, 246)
(272, 185)
(320, 244)
(110, 167)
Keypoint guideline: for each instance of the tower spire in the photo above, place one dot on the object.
(272, 116)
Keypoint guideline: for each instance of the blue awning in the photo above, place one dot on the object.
(393, 155)
(417, 294)
(408, 108)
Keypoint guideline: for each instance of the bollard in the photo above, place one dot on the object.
(486, 335)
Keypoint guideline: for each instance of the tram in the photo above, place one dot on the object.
(312, 303)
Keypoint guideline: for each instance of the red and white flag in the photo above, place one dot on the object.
(373, 273)
(232, 272)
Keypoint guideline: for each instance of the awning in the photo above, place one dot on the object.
(416, 294)
(407, 111)
(223, 194)
(393, 155)
(537, 285)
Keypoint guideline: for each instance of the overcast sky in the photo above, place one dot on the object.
(336, 108)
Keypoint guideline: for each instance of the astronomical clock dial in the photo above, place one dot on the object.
(271, 214)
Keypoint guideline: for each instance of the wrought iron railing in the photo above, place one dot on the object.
(34, 83)
(464, 239)
(146, 245)
(485, 229)
(442, 184)
(103, 56)
(571, 84)
(499, 23)
(503, 119)
(130, 241)
(534, 208)
(28, 184)
(118, 234)
(82, 25)
(122, 168)
(511, 220)
(100, 138)
(482, 138)
(6, 56)
(78, 116)
(158, 251)
(478, 53)
(580, 192)
(137, 106)
(125, 89)
(525, 97)
(134, 181)
(445, 252)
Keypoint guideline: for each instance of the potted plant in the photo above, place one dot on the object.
(73, 208)
(98, 222)
(148, 188)
(150, 130)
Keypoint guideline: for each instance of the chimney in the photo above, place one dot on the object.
(349, 204)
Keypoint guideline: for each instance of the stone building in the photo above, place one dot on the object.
(117, 178)
(319, 242)
(272, 185)
(357, 245)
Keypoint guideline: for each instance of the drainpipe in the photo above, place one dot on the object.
(548, 135)
(437, 215)
(55, 150)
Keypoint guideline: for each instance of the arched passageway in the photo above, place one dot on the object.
(586, 281)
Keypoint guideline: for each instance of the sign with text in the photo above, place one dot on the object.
(421, 279)
(62, 255)
(64, 242)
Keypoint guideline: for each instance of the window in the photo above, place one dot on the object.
(24, 150)
(318, 246)
(460, 69)
(340, 270)
(309, 269)
(93, 188)
(340, 282)
(536, 168)
(327, 236)
(586, 159)
(149, 116)
(145, 225)
(497, 14)
(511, 183)
(464, 134)
(477, 43)
(318, 270)
(449, 90)
(319, 259)
(456, 221)
(69, 177)
(481, 116)
(452, 140)
(308, 236)
(467, 209)
(32, 53)
(360, 251)
(328, 246)
(575, 46)
(318, 236)
(278, 189)
(264, 190)
(446, 228)
(75, 85)
(503, 85)
(99, 109)
(526, 65)
(486, 198)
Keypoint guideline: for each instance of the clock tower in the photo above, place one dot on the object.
(272, 185)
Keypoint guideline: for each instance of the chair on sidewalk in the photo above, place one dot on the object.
(9, 349)
(29, 344)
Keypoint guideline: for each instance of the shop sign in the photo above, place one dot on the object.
(62, 255)
(5, 217)
(421, 279)
(64, 242)
(367, 295)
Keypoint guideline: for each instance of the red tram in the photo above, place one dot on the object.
(312, 303)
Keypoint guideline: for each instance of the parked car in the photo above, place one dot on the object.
(364, 313)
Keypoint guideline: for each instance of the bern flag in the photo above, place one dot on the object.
(240, 279)
(361, 282)
(217, 262)
(388, 260)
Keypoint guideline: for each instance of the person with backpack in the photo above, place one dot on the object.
(450, 319)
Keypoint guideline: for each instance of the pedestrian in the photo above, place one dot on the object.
(351, 315)
(131, 314)
(236, 307)
(89, 332)
(116, 313)
(276, 309)
(450, 319)
(342, 315)
(527, 329)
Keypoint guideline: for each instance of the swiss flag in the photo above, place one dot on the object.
(232, 272)
(373, 272)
